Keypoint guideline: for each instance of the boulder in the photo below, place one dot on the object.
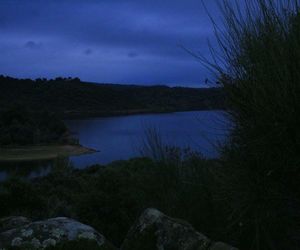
(51, 232)
(156, 231)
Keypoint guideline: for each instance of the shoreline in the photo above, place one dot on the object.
(83, 115)
(42, 152)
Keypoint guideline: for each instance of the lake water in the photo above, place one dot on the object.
(120, 138)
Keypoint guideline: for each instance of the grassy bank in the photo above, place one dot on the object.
(44, 152)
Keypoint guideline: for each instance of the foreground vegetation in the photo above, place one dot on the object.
(110, 198)
(260, 47)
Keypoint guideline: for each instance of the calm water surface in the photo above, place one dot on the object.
(120, 138)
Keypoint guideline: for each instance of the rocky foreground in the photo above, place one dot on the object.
(152, 231)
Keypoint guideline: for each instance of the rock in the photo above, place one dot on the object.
(221, 246)
(152, 231)
(13, 222)
(47, 233)
(156, 231)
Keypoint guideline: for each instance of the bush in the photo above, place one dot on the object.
(260, 73)
(111, 198)
(20, 198)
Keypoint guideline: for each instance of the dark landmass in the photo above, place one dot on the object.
(21, 126)
(72, 98)
(27, 135)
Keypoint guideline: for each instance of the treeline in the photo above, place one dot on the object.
(71, 97)
(20, 126)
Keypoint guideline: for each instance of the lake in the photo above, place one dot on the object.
(120, 138)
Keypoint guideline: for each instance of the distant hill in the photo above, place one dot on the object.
(73, 98)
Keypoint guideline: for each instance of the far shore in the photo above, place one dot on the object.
(70, 115)
(42, 152)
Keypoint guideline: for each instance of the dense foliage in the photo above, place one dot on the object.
(71, 97)
(111, 198)
(19, 126)
(261, 76)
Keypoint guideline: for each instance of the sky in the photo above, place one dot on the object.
(106, 41)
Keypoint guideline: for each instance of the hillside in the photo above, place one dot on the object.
(73, 98)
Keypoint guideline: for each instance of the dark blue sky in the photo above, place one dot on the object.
(119, 41)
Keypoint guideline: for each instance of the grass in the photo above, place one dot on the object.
(45, 152)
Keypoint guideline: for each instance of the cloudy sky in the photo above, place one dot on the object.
(116, 41)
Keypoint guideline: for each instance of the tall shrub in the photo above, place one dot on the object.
(260, 71)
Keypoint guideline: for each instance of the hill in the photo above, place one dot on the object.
(74, 98)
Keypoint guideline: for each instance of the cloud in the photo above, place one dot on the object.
(88, 52)
(33, 45)
(132, 54)
(65, 33)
